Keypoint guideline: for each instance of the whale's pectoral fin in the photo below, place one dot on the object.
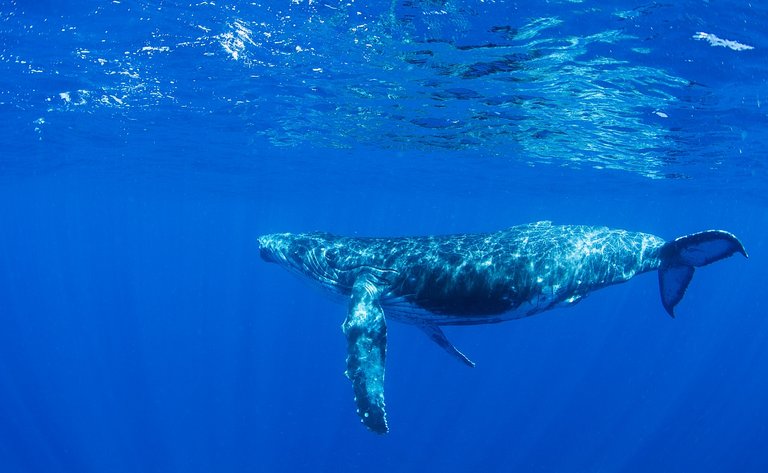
(680, 257)
(366, 332)
(436, 335)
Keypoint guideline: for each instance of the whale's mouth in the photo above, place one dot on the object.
(302, 256)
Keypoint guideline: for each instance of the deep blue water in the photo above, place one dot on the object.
(146, 145)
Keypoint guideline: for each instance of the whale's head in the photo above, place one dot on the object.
(305, 254)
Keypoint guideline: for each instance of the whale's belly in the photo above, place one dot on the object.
(459, 310)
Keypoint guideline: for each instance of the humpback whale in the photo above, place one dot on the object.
(469, 279)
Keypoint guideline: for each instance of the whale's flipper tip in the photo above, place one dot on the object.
(436, 335)
(680, 257)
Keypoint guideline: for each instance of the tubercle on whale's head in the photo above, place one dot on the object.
(280, 248)
(270, 248)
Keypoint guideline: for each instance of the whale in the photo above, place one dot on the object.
(482, 278)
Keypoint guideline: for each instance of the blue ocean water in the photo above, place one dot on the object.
(147, 144)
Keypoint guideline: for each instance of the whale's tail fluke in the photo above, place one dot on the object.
(680, 257)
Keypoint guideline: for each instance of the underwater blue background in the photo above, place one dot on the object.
(146, 145)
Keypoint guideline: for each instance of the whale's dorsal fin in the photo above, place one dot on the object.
(366, 332)
(436, 335)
